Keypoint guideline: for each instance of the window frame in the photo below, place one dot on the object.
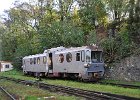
(96, 56)
(61, 60)
(44, 59)
(38, 60)
(88, 59)
(83, 55)
(31, 61)
(34, 60)
(7, 65)
(68, 57)
(78, 56)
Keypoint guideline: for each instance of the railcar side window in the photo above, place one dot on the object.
(61, 58)
(82, 55)
(69, 57)
(34, 60)
(31, 61)
(88, 56)
(44, 60)
(38, 60)
(78, 56)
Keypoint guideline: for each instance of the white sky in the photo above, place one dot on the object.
(6, 4)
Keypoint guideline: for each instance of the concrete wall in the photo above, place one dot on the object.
(128, 69)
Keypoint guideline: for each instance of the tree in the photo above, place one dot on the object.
(30, 28)
(134, 20)
(117, 13)
(92, 12)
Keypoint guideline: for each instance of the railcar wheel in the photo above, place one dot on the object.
(85, 80)
(31, 73)
(25, 73)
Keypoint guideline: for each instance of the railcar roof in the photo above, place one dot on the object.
(5, 62)
(32, 56)
(73, 49)
(61, 48)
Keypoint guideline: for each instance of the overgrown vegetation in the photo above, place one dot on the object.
(32, 93)
(30, 28)
(88, 86)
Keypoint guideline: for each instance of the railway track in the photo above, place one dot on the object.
(113, 84)
(7, 93)
(89, 95)
(121, 85)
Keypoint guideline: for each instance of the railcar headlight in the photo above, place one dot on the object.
(21, 66)
(87, 65)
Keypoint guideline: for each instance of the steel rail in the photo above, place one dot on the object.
(7, 93)
(121, 85)
(92, 95)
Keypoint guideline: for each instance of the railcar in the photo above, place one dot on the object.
(85, 63)
(35, 63)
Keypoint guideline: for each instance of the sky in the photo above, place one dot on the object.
(6, 4)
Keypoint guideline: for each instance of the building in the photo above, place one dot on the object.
(5, 66)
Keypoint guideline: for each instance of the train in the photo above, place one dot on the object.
(82, 63)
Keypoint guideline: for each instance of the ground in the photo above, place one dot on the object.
(88, 86)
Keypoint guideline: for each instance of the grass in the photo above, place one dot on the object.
(3, 96)
(87, 86)
(31, 92)
(98, 87)
(121, 82)
(16, 74)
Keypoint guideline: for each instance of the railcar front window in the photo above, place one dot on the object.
(88, 56)
(96, 56)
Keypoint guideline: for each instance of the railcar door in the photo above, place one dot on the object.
(88, 56)
(83, 55)
(50, 63)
